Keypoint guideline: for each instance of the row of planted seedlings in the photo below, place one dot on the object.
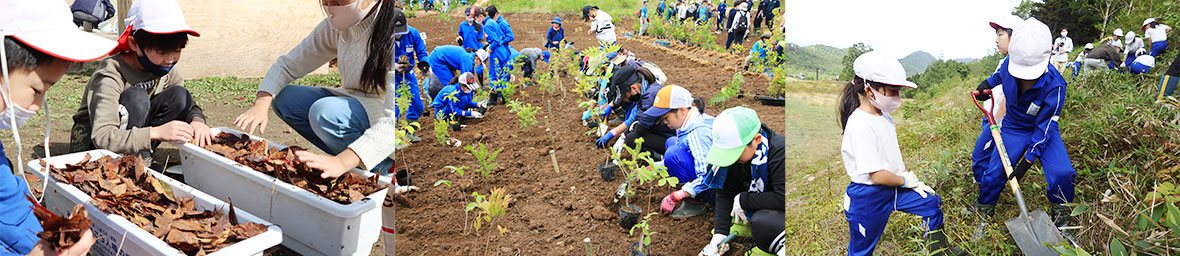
(133, 210)
(637, 165)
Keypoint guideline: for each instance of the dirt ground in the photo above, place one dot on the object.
(244, 37)
(537, 221)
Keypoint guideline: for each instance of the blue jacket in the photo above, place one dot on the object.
(447, 59)
(18, 226)
(472, 38)
(1036, 110)
(451, 101)
(697, 136)
(759, 49)
(553, 37)
(492, 32)
(503, 32)
(411, 44)
(721, 11)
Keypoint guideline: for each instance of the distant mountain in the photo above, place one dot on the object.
(966, 60)
(805, 59)
(916, 62)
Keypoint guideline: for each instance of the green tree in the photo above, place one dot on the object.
(855, 51)
(1079, 17)
(1024, 9)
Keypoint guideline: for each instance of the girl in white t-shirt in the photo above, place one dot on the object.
(1158, 34)
(881, 183)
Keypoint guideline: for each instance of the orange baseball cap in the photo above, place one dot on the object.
(669, 98)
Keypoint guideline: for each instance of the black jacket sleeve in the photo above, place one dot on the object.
(774, 196)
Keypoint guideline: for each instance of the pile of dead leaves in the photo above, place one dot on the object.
(122, 186)
(284, 166)
(59, 231)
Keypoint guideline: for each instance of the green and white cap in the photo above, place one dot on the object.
(732, 130)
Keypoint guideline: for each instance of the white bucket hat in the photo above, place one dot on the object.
(1029, 50)
(48, 26)
(877, 67)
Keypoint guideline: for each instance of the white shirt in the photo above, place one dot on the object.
(1159, 33)
(1066, 45)
(682, 11)
(1146, 60)
(604, 29)
(870, 145)
(997, 94)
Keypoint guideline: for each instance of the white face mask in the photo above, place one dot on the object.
(21, 115)
(345, 16)
(1064, 33)
(886, 104)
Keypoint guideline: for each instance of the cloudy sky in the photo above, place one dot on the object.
(949, 28)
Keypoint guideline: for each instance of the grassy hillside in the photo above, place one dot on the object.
(805, 59)
(1123, 145)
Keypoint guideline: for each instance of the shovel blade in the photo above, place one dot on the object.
(1031, 231)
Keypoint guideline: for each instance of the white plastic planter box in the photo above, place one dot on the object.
(118, 236)
(313, 225)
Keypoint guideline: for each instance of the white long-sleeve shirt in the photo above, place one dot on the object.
(350, 48)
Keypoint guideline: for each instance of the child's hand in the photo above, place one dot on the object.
(202, 136)
(172, 131)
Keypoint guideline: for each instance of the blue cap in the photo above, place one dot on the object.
(556, 20)
(546, 55)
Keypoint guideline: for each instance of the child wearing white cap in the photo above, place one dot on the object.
(454, 102)
(1004, 27)
(354, 122)
(136, 99)
(1115, 39)
(1030, 131)
(1142, 64)
(38, 43)
(1158, 33)
(1134, 44)
(881, 183)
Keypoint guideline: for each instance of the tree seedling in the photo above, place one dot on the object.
(490, 207)
(460, 170)
(441, 131)
(526, 112)
(486, 159)
(641, 174)
(442, 182)
(644, 234)
(730, 91)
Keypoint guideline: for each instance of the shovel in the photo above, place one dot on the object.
(1029, 230)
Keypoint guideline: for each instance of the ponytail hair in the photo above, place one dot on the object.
(380, 49)
(850, 99)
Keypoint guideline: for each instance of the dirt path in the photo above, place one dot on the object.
(243, 38)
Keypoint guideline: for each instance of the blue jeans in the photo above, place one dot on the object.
(328, 121)
(1158, 47)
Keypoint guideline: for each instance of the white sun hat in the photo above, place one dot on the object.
(48, 26)
(1029, 50)
(877, 67)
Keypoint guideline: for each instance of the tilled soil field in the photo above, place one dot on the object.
(538, 221)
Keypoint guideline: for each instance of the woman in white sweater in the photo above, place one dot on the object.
(353, 122)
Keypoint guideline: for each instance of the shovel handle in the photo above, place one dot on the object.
(999, 142)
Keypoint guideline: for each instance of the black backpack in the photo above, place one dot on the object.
(741, 19)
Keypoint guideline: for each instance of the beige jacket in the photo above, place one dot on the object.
(350, 48)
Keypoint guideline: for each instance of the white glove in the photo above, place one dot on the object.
(923, 190)
(482, 104)
(910, 180)
(404, 189)
(714, 248)
(476, 114)
(737, 212)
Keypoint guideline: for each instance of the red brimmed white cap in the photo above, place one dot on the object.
(48, 26)
(156, 17)
(877, 67)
